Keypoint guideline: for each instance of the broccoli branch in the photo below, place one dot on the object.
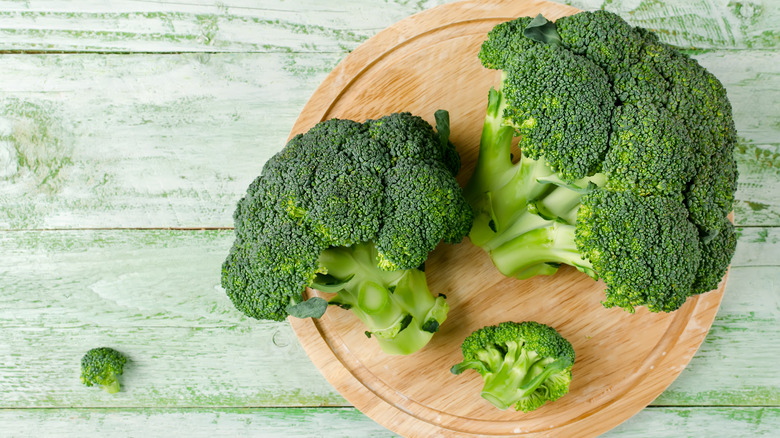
(524, 213)
(396, 306)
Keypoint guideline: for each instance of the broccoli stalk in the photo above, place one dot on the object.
(525, 215)
(522, 364)
(396, 307)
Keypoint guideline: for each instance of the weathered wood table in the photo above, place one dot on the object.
(129, 129)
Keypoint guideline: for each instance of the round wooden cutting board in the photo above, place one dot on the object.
(421, 64)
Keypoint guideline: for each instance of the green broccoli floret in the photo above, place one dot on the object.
(102, 367)
(626, 169)
(523, 364)
(715, 256)
(353, 209)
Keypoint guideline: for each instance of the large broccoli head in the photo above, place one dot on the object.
(601, 105)
(384, 187)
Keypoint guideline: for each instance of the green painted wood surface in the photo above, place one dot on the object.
(155, 294)
(120, 120)
(655, 422)
(90, 140)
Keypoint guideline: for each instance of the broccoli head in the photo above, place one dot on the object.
(523, 364)
(626, 171)
(353, 209)
(102, 367)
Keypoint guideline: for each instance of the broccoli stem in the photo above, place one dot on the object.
(519, 374)
(550, 244)
(111, 385)
(525, 215)
(396, 307)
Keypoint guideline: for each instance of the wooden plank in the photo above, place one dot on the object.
(116, 279)
(314, 26)
(202, 422)
(174, 140)
(171, 278)
(142, 141)
(320, 25)
(154, 294)
(705, 421)
(259, 364)
(737, 363)
(664, 422)
(700, 23)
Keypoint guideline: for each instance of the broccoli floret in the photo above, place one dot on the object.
(649, 151)
(716, 254)
(353, 209)
(643, 247)
(626, 169)
(102, 367)
(602, 37)
(560, 106)
(523, 364)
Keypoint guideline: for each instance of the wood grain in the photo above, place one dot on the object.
(663, 422)
(174, 140)
(321, 25)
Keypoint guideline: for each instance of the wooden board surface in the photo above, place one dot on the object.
(624, 361)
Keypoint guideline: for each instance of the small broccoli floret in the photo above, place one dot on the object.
(710, 195)
(602, 37)
(503, 42)
(424, 205)
(354, 209)
(102, 367)
(523, 364)
(650, 151)
(560, 104)
(409, 136)
(626, 169)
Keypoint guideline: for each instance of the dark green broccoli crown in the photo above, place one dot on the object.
(542, 339)
(601, 36)
(503, 42)
(710, 195)
(340, 184)
(101, 366)
(424, 206)
(716, 253)
(409, 136)
(650, 152)
(560, 105)
(643, 247)
(592, 97)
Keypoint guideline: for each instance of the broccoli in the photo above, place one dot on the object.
(353, 209)
(102, 367)
(625, 168)
(523, 364)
